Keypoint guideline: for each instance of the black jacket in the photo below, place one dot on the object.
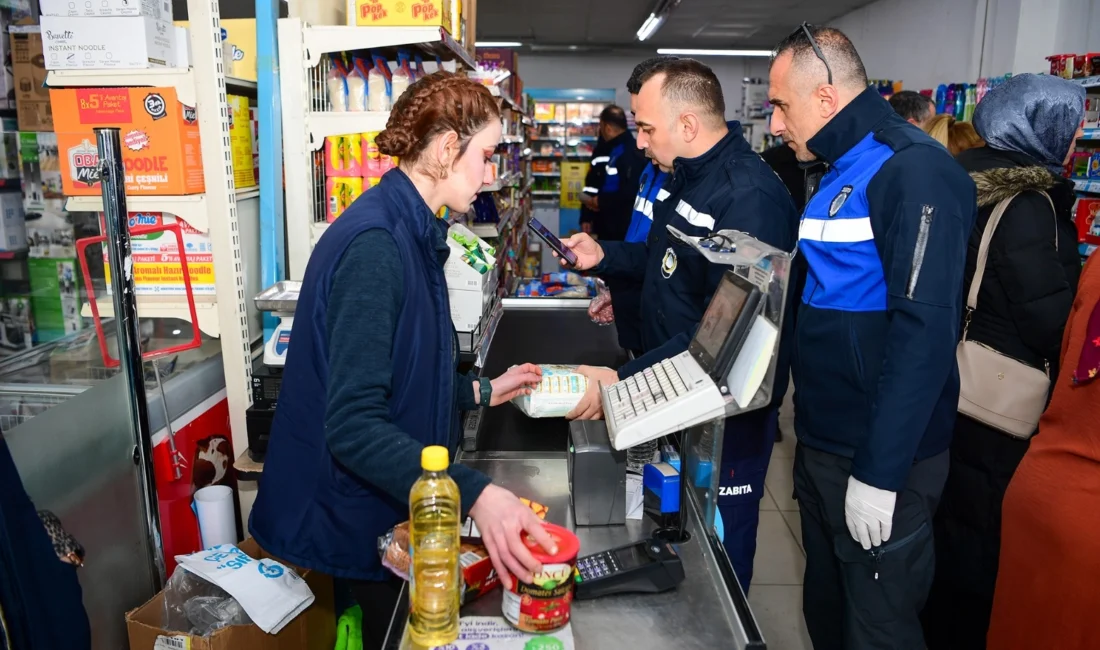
(593, 179)
(622, 175)
(1029, 285)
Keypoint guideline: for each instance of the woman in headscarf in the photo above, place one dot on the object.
(1048, 588)
(1029, 125)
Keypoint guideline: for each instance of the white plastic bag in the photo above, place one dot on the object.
(561, 388)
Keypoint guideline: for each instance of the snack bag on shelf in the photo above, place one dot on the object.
(379, 85)
(558, 393)
(337, 85)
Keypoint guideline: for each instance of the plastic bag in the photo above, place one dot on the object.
(599, 310)
(561, 388)
(195, 606)
(394, 549)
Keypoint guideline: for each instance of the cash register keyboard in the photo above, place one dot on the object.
(668, 396)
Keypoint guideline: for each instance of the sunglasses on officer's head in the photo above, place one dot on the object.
(805, 29)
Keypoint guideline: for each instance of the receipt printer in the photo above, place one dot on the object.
(597, 475)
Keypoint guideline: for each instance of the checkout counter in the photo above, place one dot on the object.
(530, 457)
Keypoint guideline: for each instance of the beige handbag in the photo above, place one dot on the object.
(997, 390)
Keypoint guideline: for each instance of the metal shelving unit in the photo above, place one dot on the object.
(216, 211)
(307, 120)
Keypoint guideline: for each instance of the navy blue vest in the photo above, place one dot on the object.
(310, 510)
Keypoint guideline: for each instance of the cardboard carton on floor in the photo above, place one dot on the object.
(313, 628)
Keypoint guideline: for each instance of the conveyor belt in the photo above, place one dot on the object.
(565, 336)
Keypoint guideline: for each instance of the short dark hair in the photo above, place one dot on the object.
(615, 116)
(689, 82)
(634, 84)
(837, 49)
(911, 105)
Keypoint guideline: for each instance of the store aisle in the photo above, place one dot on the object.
(776, 594)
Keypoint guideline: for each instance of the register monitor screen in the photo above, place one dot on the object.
(724, 325)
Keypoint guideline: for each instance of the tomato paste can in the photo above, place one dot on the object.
(543, 604)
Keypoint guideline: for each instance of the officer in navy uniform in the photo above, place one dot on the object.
(876, 380)
(717, 182)
(593, 179)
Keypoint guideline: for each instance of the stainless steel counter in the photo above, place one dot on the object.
(701, 613)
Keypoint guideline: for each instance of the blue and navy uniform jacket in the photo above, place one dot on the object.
(650, 183)
(310, 510)
(620, 179)
(593, 179)
(728, 187)
(884, 239)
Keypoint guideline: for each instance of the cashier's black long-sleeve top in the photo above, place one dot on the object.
(361, 321)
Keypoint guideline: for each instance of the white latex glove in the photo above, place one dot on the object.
(869, 513)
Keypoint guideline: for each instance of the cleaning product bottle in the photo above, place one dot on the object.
(434, 538)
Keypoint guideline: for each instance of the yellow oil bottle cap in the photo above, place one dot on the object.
(434, 458)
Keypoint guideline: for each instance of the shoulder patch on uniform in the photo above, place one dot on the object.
(839, 200)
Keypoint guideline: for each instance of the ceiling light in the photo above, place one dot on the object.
(689, 52)
(650, 25)
(498, 44)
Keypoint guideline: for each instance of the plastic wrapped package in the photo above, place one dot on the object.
(558, 393)
(599, 310)
(198, 607)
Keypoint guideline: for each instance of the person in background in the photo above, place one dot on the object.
(719, 183)
(913, 107)
(593, 179)
(875, 376)
(783, 162)
(371, 378)
(1049, 569)
(620, 178)
(1031, 125)
(956, 136)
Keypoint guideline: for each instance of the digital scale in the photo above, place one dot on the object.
(280, 301)
(647, 567)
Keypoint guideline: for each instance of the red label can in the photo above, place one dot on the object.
(544, 604)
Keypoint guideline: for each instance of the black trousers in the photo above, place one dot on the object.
(377, 600)
(865, 600)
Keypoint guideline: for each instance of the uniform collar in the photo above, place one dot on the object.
(850, 126)
(699, 166)
(422, 220)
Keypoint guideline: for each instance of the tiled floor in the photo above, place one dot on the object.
(776, 593)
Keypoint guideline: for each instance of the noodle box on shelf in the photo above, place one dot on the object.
(116, 43)
(400, 13)
(160, 139)
(156, 258)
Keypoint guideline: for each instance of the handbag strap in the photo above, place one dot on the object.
(983, 251)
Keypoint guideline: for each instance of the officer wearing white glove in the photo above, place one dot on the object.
(869, 513)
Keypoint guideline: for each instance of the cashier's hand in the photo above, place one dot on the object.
(518, 380)
(590, 407)
(589, 253)
(503, 521)
(869, 513)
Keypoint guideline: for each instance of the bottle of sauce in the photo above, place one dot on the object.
(434, 540)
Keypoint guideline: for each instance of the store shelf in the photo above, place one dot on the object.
(546, 193)
(1091, 134)
(315, 232)
(512, 139)
(1087, 185)
(502, 182)
(492, 230)
(1088, 82)
(545, 174)
(323, 124)
(325, 39)
(191, 208)
(183, 81)
(161, 307)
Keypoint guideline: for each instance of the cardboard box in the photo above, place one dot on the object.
(313, 628)
(401, 13)
(159, 9)
(241, 38)
(13, 229)
(55, 297)
(116, 43)
(7, 78)
(156, 258)
(240, 141)
(466, 309)
(160, 139)
(32, 98)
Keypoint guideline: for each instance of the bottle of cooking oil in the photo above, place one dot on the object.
(434, 544)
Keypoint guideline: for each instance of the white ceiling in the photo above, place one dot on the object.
(558, 24)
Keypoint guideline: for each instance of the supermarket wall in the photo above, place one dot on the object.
(612, 71)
